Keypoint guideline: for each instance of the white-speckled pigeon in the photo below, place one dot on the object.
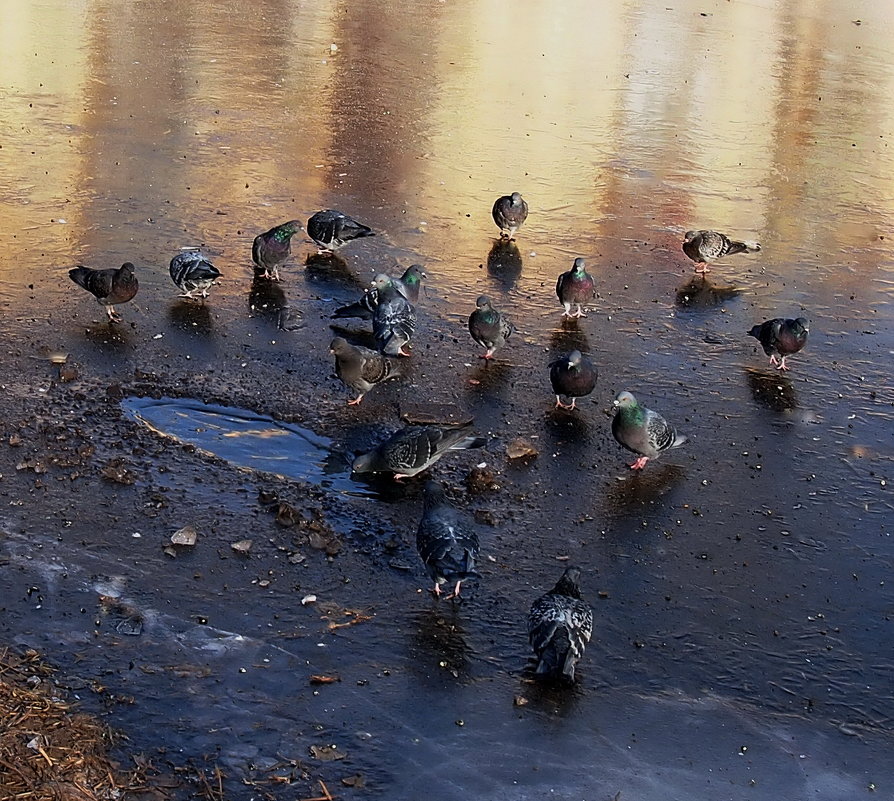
(271, 249)
(331, 229)
(360, 368)
(781, 338)
(489, 327)
(109, 287)
(573, 376)
(394, 319)
(574, 288)
(705, 247)
(509, 212)
(191, 272)
(642, 431)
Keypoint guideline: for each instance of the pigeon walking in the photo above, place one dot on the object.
(191, 272)
(574, 288)
(560, 625)
(414, 448)
(781, 338)
(394, 319)
(109, 287)
(510, 212)
(446, 542)
(331, 229)
(642, 431)
(705, 247)
(573, 376)
(271, 249)
(489, 327)
(408, 285)
(360, 368)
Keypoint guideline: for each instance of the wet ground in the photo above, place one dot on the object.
(742, 647)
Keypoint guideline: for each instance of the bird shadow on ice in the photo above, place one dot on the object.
(356, 336)
(489, 376)
(640, 489)
(439, 638)
(109, 338)
(566, 426)
(504, 263)
(191, 317)
(568, 337)
(329, 268)
(266, 299)
(772, 390)
(699, 292)
(554, 698)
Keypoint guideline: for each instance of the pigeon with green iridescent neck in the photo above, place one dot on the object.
(560, 625)
(489, 327)
(573, 376)
(394, 320)
(109, 287)
(271, 249)
(408, 285)
(331, 229)
(574, 288)
(360, 368)
(446, 542)
(781, 338)
(642, 431)
(192, 273)
(509, 213)
(705, 247)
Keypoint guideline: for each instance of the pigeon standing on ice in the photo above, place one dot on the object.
(109, 287)
(192, 272)
(271, 249)
(560, 625)
(360, 368)
(408, 285)
(509, 212)
(705, 247)
(781, 338)
(489, 327)
(331, 229)
(414, 448)
(574, 288)
(394, 319)
(642, 431)
(572, 376)
(445, 541)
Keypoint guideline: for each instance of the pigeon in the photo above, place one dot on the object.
(272, 248)
(414, 448)
(192, 272)
(573, 376)
(575, 287)
(509, 212)
(331, 229)
(642, 431)
(446, 543)
(781, 338)
(705, 247)
(109, 287)
(408, 285)
(394, 320)
(489, 328)
(360, 368)
(559, 627)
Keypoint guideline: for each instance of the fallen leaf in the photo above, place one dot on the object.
(327, 753)
(319, 679)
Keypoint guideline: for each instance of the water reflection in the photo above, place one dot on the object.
(569, 336)
(639, 491)
(772, 390)
(701, 293)
(440, 639)
(504, 263)
(191, 317)
(266, 299)
(330, 268)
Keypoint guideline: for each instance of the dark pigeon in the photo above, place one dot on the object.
(560, 625)
(394, 319)
(705, 247)
(191, 272)
(331, 229)
(509, 212)
(642, 431)
(446, 542)
(781, 338)
(271, 249)
(360, 368)
(575, 287)
(489, 328)
(572, 376)
(408, 285)
(415, 448)
(109, 287)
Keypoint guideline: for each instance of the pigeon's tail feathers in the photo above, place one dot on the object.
(469, 442)
(679, 439)
(744, 247)
(353, 310)
(81, 276)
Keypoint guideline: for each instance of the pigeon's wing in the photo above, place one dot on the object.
(376, 368)
(97, 282)
(661, 434)
(347, 228)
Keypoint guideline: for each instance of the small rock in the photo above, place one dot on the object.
(119, 474)
(68, 373)
(327, 753)
(184, 536)
(15, 441)
(485, 517)
(308, 599)
(243, 546)
(480, 479)
(521, 448)
(519, 700)
(287, 515)
(354, 781)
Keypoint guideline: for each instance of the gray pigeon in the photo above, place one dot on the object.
(574, 288)
(781, 338)
(394, 319)
(642, 431)
(509, 212)
(489, 328)
(560, 625)
(414, 448)
(573, 376)
(705, 247)
(360, 368)
(446, 543)
(408, 285)
(271, 249)
(191, 272)
(331, 229)
(109, 287)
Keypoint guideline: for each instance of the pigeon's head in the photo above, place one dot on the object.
(690, 235)
(804, 323)
(483, 302)
(516, 198)
(338, 346)
(579, 265)
(575, 358)
(413, 273)
(569, 584)
(127, 268)
(363, 464)
(434, 492)
(624, 400)
(381, 281)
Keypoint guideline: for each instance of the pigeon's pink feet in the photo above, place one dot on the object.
(783, 366)
(560, 405)
(640, 463)
(402, 352)
(356, 401)
(488, 355)
(705, 268)
(455, 593)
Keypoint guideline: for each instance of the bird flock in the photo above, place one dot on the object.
(560, 622)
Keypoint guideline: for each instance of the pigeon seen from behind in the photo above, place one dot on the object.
(489, 327)
(330, 229)
(109, 287)
(573, 376)
(642, 431)
(446, 542)
(394, 318)
(574, 288)
(408, 285)
(510, 212)
(271, 249)
(781, 338)
(560, 625)
(192, 273)
(705, 247)
(360, 368)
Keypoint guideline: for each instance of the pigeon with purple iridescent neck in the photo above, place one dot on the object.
(271, 249)
(109, 287)
(489, 327)
(574, 288)
(781, 338)
(573, 376)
